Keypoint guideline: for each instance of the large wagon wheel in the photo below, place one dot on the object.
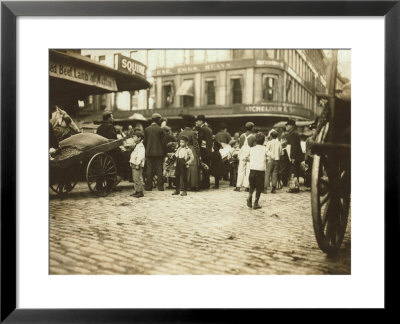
(330, 199)
(101, 174)
(63, 186)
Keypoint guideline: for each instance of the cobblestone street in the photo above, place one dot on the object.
(208, 232)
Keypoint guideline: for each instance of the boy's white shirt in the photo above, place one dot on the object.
(189, 157)
(269, 148)
(258, 157)
(138, 155)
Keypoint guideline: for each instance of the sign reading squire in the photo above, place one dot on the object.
(128, 65)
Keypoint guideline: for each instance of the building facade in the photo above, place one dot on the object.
(238, 85)
(129, 61)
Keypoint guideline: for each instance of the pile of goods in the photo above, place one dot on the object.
(76, 144)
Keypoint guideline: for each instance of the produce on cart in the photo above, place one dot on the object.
(88, 156)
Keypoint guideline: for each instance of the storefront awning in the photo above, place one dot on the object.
(74, 75)
(186, 89)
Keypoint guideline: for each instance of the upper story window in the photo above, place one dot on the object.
(236, 86)
(168, 94)
(238, 54)
(102, 59)
(210, 92)
(186, 91)
(270, 87)
(270, 54)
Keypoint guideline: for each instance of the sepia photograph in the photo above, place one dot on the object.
(200, 161)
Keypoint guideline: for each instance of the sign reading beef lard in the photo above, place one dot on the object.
(127, 65)
(84, 75)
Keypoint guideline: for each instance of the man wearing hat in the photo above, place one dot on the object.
(296, 154)
(246, 140)
(107, 129)
(154, 142)
(223, 137)
(205, 143)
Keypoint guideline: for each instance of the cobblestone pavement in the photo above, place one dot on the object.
(208, 232)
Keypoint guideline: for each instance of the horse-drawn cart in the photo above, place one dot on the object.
(97, 165)
(331, 170)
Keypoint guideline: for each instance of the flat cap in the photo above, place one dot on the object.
(107, 113)
(201, 117)
(155, 116)
(249, 124)
(291, 122)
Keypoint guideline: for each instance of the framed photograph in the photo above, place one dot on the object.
(200, 157)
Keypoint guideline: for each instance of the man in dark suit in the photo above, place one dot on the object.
(205, 143)
(107, 129)
(296, 154)
(154, 143)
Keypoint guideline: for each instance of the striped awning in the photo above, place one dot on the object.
(186, 88)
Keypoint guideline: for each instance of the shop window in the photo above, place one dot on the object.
(236, 86)
(168, 94)
(270, 86)
(134, 100)
(210, 92)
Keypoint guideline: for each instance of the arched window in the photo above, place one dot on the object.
(270, 87)
(236, 90)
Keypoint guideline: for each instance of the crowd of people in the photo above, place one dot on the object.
(186, 160)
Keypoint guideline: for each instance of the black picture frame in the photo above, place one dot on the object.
(9, 13)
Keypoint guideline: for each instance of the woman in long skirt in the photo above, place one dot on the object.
(193, 171)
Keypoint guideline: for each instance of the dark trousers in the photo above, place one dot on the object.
(233, 174)
(272, 173)
(181, 175)
(205, 181)
(226, 170)
(295, 169)
(216, 185)
(154, 165)
(256, 181)
(307, 174)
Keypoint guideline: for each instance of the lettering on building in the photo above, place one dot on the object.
(82, 75)
(281, 109)
(128, 65)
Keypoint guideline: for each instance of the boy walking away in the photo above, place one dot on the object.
(257, 165)
(184, 158)
(245, 142)
(137, 164)
(274, 153)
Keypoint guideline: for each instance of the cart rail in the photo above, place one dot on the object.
(86, 154)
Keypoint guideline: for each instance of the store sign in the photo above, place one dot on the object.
(270, 63)
(278, 109)
(85, 76)
(193, 68)
(127, 65)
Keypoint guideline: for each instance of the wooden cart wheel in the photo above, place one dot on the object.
(101, 174)
(63, 186)
(330, 201)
